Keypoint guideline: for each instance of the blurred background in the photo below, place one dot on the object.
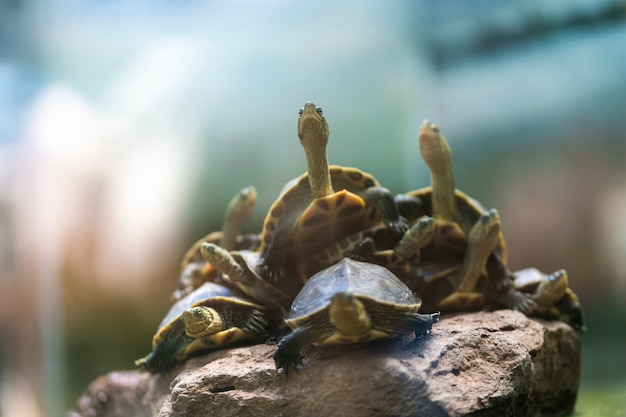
(126, 127)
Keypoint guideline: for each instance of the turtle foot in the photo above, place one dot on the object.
(435, 317)
(576, 320)
(287, 362)
(362, 250)
(270, 273)
(398, 227)
(520, 302)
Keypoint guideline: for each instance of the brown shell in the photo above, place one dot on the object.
(325, 220)
(362, 279)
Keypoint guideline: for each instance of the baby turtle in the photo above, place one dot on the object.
(553, 297)
(469, 278)
(194, 270)
(350, 302)
(322, 206)
(211, 317)
(455, 215)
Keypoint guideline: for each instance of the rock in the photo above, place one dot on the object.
(480, 364)
(114, 394)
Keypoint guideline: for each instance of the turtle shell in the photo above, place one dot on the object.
(322, 221)
(318, 223)
(363, 280)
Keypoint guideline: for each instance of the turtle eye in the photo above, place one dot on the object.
(300, 112)
(319, 111)
(198, 312)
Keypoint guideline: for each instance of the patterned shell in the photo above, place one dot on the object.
(325, 220)
(216, 294)
(361, 279)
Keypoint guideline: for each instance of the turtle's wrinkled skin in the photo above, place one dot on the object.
(350, 302)
(238, 269)
(194, 270)
(323, 206)
(211, 317)
(448, 263)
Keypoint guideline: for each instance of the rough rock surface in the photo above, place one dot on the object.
(479, 364)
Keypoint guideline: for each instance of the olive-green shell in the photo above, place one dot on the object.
(208, 294)
(361, 279)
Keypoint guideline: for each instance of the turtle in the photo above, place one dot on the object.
(238, 269)
(461, 288)
(211, 317)
(321, 207)
(553, 297)
(455, 215)
(350, 302)
(194, 270)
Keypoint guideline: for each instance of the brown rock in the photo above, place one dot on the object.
(480, 364)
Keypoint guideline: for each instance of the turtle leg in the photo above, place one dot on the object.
(248, 319)
(167, 353)
(404, 322)
(362, 250)
(383, 200)
(502, 289)
(255, 324)
(570, 307)
(246, 280)
(409, 207)
(287, 354)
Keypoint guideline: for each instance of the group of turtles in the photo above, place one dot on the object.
(340, 259)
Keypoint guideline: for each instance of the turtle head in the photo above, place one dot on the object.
(436, 154)
(313, 133)
(348, 314)
(312, 127)
(486, 229)
(552, 288)
(202, 321)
